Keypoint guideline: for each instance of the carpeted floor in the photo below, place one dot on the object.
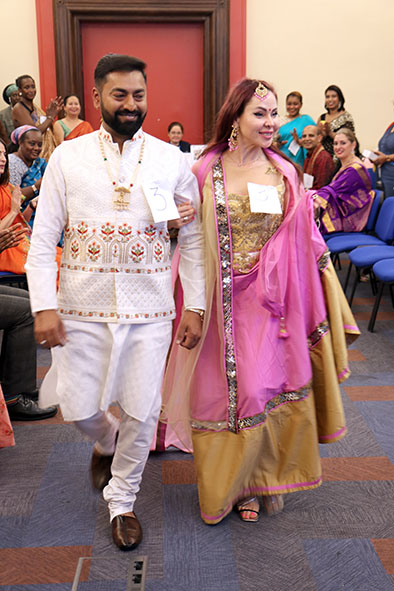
(338, 537)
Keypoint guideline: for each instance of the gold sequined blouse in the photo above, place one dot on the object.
(250, 231)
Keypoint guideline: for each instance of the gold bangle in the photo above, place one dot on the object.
(388, 158)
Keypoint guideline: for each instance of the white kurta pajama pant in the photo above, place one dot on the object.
(115, 294)
(102, 363)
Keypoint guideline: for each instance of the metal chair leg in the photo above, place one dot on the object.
(371, 323)
(391, 293)
(356, 281)
(347, 277)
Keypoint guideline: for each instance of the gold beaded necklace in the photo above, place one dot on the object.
(121, 196)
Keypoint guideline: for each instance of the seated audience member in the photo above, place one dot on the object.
(336, 117)
(26, 166)
(9, 237)
(385, 160)
(175, 134)
(25, 112)
(318, 162)
(345, 203)
(13, 259)
(11, 97)
(18, 356)
(293, 128)
(71, 126)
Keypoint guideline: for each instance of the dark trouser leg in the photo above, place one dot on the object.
(18, 358)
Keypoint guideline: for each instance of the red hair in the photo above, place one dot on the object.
(233, 107)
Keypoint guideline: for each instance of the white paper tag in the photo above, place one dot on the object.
(161, 202)
(264, 199)
(294, 148)
(370, 155)
(308, 180)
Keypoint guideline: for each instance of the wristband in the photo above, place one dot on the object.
(36, 191)
(201, 313)
(388, 158)
(50, 117)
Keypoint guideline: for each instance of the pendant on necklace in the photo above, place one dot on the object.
(121, 199)
(271, 170)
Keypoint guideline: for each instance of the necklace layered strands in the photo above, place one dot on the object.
(121, 196)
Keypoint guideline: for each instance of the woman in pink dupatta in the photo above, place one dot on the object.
(260, 390)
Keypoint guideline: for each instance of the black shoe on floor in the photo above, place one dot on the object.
(33, 395)
(26, 409)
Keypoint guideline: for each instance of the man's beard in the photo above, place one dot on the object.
(126, 129)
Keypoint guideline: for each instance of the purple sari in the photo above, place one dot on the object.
(346, 201)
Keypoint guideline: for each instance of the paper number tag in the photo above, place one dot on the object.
(294, 148)
(161, 202)
(308, 180)
(264, 199)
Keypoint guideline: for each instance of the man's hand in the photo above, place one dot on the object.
(189, 331)
(49, 330)
(12, 236)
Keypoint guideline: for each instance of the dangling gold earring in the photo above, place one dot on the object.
(233, 139)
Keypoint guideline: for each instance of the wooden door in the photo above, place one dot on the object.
(173, 53)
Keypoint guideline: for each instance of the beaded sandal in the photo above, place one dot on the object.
(246, 513)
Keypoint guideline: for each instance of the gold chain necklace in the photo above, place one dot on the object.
(121, 196)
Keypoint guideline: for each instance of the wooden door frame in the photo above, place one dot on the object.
(214, 15)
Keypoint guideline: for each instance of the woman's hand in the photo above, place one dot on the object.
(321, 127)
(12, 236)
(16, 200)
(381, 159)
(295, 136)
(55, 105)
(186, 215)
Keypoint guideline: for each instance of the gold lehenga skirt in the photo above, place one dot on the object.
(282, 454)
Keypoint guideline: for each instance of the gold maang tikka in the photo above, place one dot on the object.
(261, 91)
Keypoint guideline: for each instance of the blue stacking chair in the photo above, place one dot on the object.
(384, 234)
(373, 214)
(384, 272)
(364, 258)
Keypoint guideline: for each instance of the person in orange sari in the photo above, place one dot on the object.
(13, 259)
(71, 126)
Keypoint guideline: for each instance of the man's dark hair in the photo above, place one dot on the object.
(115, 62)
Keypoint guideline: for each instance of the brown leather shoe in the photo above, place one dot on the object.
(126, 532)
(100, 469)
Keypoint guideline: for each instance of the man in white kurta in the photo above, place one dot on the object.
(110, 323)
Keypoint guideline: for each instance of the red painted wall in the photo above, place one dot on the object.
(174, 56)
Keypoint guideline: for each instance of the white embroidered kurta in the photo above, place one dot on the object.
(115, 269)
(115, 265)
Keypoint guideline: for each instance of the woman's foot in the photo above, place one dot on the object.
(273, 504)
(248, 509)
